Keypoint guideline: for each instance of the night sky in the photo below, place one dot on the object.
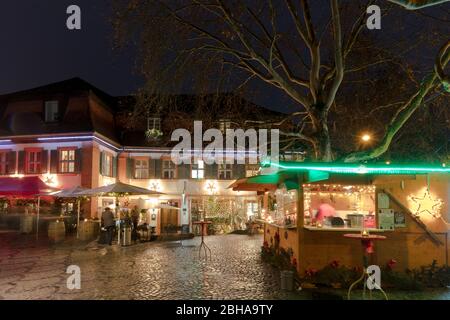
(38, 49)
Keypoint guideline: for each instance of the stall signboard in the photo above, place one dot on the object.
(383, 201)
(386, 219)
(399, 219)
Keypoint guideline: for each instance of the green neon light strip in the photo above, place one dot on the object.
(356, 168)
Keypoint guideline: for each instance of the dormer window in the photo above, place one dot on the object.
(154, 123)
(51, 111)
(224, 124)
(153, 128)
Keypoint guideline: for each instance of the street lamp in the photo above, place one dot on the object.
(366, 137)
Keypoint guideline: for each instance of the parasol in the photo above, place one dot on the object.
(117, 190)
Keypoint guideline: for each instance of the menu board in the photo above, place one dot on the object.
(386, 219)
(383, 201)
(400, 219)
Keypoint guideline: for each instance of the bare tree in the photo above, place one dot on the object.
(278, 43)
(417, 4)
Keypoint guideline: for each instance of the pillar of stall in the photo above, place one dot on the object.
(300, 224)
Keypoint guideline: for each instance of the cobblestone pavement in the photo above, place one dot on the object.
(171, 270)
(156, 270)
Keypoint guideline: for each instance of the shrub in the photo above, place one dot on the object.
(431, 276)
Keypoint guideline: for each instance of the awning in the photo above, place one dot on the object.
(24, 187)
(257, 183)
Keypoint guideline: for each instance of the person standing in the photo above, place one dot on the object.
(109, 224)
(135, 221)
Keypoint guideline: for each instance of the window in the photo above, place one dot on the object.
(154, 123)
(67, 160)
(3, 163)
(33, 161)
(252, 209)
(225, 171)
(51, 111)
(251, 170)
(198, 170)
(168, 170)
(224, 124)
(141, 169)
(107, 169)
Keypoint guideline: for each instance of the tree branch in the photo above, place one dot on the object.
(400, 118)
(339, 58)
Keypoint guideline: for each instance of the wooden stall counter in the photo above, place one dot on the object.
(344, 229)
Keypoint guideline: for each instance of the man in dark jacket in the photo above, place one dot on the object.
(135, 220)
(108, 223)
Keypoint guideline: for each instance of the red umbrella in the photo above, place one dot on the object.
(24, 187)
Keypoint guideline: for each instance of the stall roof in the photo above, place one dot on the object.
(256, 183)
(352, 168)
(23, 187)
(315, 171)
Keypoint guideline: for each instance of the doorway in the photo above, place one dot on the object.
(169, 220)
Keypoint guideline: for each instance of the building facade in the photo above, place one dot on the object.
(73, 134)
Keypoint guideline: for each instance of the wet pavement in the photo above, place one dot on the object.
(170, 270)
(31, 269)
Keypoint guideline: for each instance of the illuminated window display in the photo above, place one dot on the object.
(282, 207)
(343, 206)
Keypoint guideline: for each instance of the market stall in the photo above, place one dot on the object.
(315, 204)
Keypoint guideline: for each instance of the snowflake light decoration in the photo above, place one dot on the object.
(427, 204)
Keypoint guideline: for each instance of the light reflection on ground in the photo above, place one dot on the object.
(30, 270)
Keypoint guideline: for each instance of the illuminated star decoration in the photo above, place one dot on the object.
(50, 180)
(154, 186)
(427, 204)
(211, 187)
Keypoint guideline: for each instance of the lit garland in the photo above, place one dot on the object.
(307, 202)
(427, 204)
(336, 189)
(356, 168)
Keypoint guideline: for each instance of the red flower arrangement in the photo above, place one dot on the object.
(391, 264)
(357, 269)
(311, 272)
(334, 264)
(294, 262)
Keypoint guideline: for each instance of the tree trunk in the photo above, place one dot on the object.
(321, 137)
(323, 146)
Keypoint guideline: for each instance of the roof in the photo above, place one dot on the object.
(178, 110)
(71, 85)
(27, 119)
(321, 171)
(257, 183)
